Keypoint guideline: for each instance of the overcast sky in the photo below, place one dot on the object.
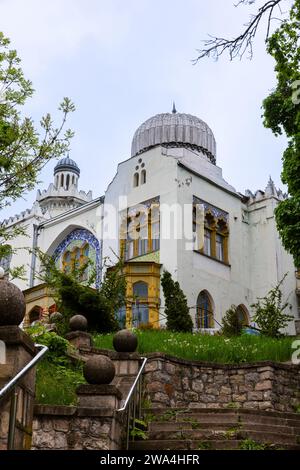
(122, 61)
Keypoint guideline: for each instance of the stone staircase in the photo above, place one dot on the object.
(219, 429)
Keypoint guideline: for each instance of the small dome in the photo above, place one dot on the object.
(175, 130)
(67, 164)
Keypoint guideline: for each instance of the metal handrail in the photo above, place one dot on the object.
(13, 382)
(10, 387)
(145, 359)
(134, 402)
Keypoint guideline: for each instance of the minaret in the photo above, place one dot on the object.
(63, 194)
(66, 174)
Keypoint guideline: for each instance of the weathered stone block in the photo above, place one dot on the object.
(265, 385)
(255, 396)
(197, 386)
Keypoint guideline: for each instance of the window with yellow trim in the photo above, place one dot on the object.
(140, 230)
(211, 231)
(75, 259)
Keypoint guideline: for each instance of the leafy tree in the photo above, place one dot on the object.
(231, 324)
(269, 312)
(113, 286)
(73, 296)
(24, 149)
(176, 308)
(282, 106)
(282, 113)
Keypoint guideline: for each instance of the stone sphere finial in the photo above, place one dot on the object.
(12, 304)
(2, 273)
(99, 370)
(78, 323)
(125, 341)
(55, 317)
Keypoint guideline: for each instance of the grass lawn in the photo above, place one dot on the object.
(56, 382)
(58, 377)
(208, 348)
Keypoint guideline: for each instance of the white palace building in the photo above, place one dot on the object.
(168, 207)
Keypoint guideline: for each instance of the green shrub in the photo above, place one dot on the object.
(176, 308)
(269, 312)
(231, 324)
(73, 296)
(249, 444)
(56, 382)
(57, 376)
(57, 345)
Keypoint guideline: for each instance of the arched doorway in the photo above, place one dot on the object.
(204, 316)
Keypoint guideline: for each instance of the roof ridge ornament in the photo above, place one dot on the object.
(174, 110)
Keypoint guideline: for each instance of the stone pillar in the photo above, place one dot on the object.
(19, 350)
(78, 336)
(79, 339)
(100, 399)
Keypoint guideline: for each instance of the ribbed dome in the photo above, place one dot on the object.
(174, 130)
(67, 164)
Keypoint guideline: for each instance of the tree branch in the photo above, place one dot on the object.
(238, 46)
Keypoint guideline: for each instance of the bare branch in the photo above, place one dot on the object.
(238, 46)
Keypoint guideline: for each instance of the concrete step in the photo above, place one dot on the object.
(230, 416)
(156, 426)
(270, 420)
(196, 445)
(213, 434)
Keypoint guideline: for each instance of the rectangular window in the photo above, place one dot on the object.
(140, 229)
(129, 252)
(155, 236)
(220, 247)
(207, 242)
(210, 230)
(142, 247)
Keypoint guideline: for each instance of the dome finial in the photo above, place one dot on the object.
(174, 110)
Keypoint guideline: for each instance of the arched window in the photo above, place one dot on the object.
(68, 182)
(140, 308)
(140, 290)
(75, 259)
(57, 180)
(35, 314)
(204, 317)
(73, 179)
(143, 177)
(62, 181)
(135, 180)
(243, 315)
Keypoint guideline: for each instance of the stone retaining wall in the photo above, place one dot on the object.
(75, 428)
(172, 382)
